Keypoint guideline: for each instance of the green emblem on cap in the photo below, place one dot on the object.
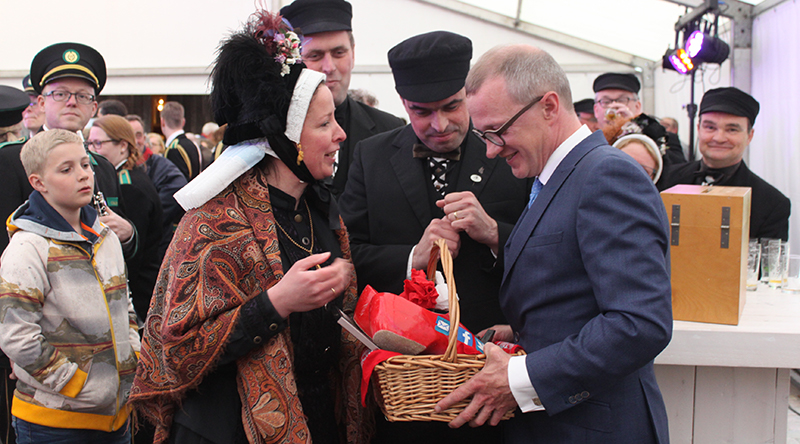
(71, 56)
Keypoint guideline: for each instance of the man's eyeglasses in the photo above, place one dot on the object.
(97, 143)
(496, 136)
(64, 96)
(605, 103)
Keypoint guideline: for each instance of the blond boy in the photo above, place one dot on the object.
(66, 321)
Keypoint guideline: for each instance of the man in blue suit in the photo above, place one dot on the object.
(586, 285)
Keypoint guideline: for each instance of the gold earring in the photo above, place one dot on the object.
(299, 154)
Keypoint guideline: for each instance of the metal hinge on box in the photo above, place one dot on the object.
(725, 227)
(676, 225)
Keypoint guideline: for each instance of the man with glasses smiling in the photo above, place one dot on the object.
(68, 77)
(586, 283)
(428, 180)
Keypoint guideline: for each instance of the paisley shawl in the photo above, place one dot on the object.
(222, 255)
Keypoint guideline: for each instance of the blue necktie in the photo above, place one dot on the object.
(537, 186)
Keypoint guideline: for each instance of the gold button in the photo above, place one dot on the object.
(257, 339)
(537, 402)
(298, 217)
(273, 327)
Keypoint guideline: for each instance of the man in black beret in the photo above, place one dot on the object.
(617, 101)
(585, 111)
(725, 129)
(431, 179)
(616, 95)
(33, 116)
(68, 78)
(329, 47)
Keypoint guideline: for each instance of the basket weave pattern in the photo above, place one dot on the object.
(409, 386)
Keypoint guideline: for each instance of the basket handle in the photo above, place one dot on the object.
(440, 251)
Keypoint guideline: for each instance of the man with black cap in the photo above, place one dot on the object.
(617, 101)
(33, 116)
(329, 47)
(727, 116)
(68, 78)
(585, 111)
(428, 180)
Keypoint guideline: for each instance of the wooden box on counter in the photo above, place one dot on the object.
(709, 233)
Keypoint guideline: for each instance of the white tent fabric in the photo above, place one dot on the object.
(775, 149)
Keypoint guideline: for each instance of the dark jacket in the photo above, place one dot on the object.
(185, 155)
(359, 121)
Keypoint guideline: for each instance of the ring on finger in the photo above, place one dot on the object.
(455, 214)
(334, 291)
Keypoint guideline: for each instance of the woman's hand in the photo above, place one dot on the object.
(304, 288)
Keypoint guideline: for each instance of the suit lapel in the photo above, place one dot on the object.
(476, 168)
(530, 217)
(411, 175)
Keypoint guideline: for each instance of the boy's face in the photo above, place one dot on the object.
(66, 181)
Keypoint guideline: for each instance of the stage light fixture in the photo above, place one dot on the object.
(679, 60)
(702, 47)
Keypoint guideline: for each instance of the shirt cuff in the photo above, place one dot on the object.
(521, 387)
(408, 265)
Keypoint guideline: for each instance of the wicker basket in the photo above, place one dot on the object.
(409, 386)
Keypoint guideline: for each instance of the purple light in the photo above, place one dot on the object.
(681, 61)
(695, 43)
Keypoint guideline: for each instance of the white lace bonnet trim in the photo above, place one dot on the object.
(239, 158)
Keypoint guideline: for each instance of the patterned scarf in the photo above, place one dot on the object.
(223, 254)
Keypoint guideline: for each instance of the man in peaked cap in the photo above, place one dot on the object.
(33, 116)
(329, 47)
(725, 129)
(431, 179)
(68, 78)
(585, 111)
(16, 188)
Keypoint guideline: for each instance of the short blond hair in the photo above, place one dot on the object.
(35, 151)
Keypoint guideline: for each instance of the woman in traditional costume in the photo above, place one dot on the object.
(240, 344)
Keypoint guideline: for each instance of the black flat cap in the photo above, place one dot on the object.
(430, 67)
(26, 85)
(313, 16)
(615, 80)
(64, 60)
(584, 106)
(730, 101)
(12, 103)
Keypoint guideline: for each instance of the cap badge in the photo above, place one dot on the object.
(71, 56)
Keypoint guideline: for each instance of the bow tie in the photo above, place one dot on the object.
(423, 152)
(706, 175)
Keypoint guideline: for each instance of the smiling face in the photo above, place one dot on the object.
(722, 138)
(441, 125)
(321, 135)
(332, 54)
(528, 143)
(114, 151)
(69, 115)
(66, 181)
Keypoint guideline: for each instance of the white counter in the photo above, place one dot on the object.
(730, 383)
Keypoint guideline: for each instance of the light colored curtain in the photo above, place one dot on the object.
(775, 149)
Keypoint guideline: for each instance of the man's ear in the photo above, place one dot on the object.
(36, 182)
